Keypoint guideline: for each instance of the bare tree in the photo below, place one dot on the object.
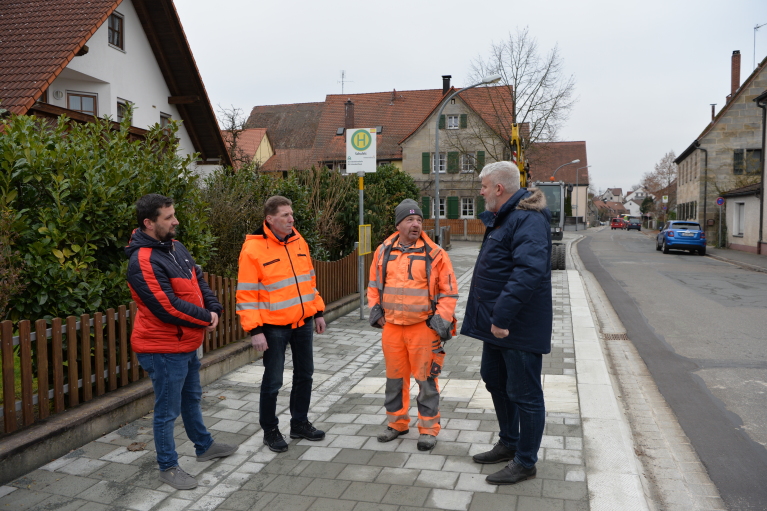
(542, 94)
(664, 174)
(232, 122)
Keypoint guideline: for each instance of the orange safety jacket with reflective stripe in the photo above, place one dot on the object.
(276, 284)
(414, 283)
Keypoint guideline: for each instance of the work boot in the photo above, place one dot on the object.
(426, 442)
(275, 440)
(177, 478)
(217, 450)
(497, 454)
(390, 434)
(307, 431)
(513, 473)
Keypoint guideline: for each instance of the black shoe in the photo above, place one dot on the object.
(497, 454)
(275, 440)
(307, 431)
(513, 473)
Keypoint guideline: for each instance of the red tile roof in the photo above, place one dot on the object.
(617, 207)
(399, 112)
(288, 159)
(39, 38)
(290, 126)
(545, 157)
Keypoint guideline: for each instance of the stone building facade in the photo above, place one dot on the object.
(726, 155)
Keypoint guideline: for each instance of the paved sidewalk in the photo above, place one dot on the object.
(350, 469)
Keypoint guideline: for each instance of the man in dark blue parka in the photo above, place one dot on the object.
(509, 308)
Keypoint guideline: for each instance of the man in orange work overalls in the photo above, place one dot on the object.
(412, 295)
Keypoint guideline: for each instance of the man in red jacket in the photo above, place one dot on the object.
(175, 308)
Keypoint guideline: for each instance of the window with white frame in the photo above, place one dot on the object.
(122, 109)
(467, 207)
(739, 219)
(442, 207)
(442, 162)
(452, 122)
(468, 162)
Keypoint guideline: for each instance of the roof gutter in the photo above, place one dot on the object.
(761, 102)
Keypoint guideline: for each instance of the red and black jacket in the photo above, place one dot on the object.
(174, 302)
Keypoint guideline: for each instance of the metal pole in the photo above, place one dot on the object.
(720, 226)
(577, 192)
(361, 258)
(437, 233)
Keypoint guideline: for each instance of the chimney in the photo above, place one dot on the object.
(349, 115)
(446, 83)
(735, 76)
(713, 111)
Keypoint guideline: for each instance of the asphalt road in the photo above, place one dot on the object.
(701, 327)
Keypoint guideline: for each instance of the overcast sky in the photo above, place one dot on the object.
(646, 72)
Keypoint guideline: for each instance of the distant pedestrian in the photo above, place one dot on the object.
(412, 295)
(509, 308)
(279, 305)
(175, 309)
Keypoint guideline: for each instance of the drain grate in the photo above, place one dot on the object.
(615, 337)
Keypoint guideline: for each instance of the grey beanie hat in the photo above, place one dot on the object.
(406, 208)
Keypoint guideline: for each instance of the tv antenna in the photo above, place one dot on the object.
(756, 27)
(343, 80)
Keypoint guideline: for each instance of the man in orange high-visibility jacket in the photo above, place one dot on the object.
(412, 295)
(278, 304)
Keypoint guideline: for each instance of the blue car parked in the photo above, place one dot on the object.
(681, 235)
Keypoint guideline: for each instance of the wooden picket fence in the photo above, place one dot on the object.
(65, 362)
(460, 228)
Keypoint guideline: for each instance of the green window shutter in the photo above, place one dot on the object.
(426, 207)
(452, 162)
(452, 207)
(464, 121)
(480, 159)
(425, 163)
(441, 122)
(480, 206)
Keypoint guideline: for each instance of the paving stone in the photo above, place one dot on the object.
(358, 457)
(401, 476)
(449, 499)
(326, 488)
(539, 504)
(365, 492)
(492, 502)
(244, 500)
(437, 479)
(60, 503)
(323, 504)
(406, 495)
(288, 484)
(359, 473)
(286, 503)
(388, 459)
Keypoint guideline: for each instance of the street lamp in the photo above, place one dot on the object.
(577, 192)
(485, 81)
(564, 165)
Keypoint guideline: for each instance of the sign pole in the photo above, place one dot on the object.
(360, 257)
(720, 226)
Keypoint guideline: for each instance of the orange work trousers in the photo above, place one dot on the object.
(410, 350)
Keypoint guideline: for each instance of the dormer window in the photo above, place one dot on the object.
(117, 31)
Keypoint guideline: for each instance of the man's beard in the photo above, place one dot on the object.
(168, 236)
(490, 203)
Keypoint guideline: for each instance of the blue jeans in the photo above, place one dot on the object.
(513, 378)
(177, 390)
(300, 340)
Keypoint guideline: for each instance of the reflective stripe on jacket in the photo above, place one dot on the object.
(276, 283)
(415, 282)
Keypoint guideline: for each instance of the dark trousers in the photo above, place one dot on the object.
(300, 341)
(513, 378)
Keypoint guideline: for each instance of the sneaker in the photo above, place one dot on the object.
(513, 473)
(426, 442)
(275, 440)
(217, 450)
(177, 478)
(390, 434)
(497, 454)
(307, 431)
